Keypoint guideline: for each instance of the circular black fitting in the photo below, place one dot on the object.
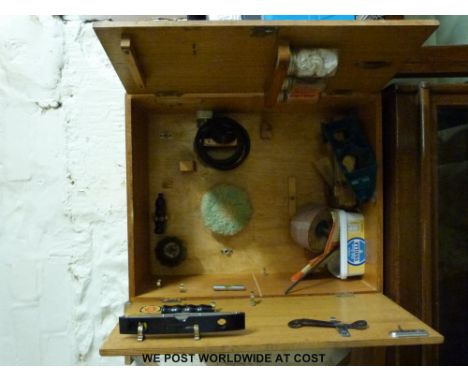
(223, 131)
(170, 251)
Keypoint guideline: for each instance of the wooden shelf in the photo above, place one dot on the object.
(267, 329)
(271, 285)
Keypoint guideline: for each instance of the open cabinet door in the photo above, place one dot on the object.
(267, 327)
(176, 58)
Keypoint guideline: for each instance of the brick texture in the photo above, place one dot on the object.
(63, 259)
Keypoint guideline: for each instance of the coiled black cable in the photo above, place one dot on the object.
(222, 130)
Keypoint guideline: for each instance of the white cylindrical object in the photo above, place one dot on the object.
(350, 259)
(313, 63)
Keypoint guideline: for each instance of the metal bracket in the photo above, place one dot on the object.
(196, 332)
(141, 332)
(343, 331)
(405, 333)
(228, 287)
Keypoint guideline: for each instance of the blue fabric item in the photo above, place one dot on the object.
(308, 17)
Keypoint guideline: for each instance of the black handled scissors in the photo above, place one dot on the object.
(340, 326)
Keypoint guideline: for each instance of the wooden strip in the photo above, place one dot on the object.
(427, 205)
(249, 102)
(437, 61)
(282, 64)
(139, 266)
(450, 90)
(259, 290)
(428, 217)
(271, 285)
(133, 66)
(130, 193)
(256, 23)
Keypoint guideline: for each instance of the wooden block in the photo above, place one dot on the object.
(132, 62)
(279, 74)
(187, 166)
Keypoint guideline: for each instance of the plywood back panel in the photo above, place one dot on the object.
(239, 57)
(265, 243)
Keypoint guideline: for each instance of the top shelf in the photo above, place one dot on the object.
(178, 58)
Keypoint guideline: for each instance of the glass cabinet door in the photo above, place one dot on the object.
(451, 284)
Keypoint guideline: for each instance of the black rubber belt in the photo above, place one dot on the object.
(222, 130)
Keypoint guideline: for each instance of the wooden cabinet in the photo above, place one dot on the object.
(171, 71)
(426, 269)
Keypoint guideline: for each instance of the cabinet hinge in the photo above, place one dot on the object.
(264, 31)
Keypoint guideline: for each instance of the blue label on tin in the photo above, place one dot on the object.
(356, 251)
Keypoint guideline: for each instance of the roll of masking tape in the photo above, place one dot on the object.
(311, 226)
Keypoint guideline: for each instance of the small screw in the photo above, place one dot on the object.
(182, 288)
(165, 135)
(227, 251)
(253, 302)
(159, 283)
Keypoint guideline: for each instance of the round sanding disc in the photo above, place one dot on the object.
(226, 209)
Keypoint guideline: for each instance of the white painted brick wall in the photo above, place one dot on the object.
(63, 240)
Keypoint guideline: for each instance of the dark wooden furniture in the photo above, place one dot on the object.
(426, 263)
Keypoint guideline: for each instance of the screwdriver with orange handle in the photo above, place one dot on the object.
(330, 246)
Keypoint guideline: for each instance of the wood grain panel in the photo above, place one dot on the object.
(265, 242)
(436, 61)
(198, 57)
(271, 285)
(137, 195)
(267, 330)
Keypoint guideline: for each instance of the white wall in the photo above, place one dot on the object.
(63, 239)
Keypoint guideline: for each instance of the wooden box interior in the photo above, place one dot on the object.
(160, 134)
